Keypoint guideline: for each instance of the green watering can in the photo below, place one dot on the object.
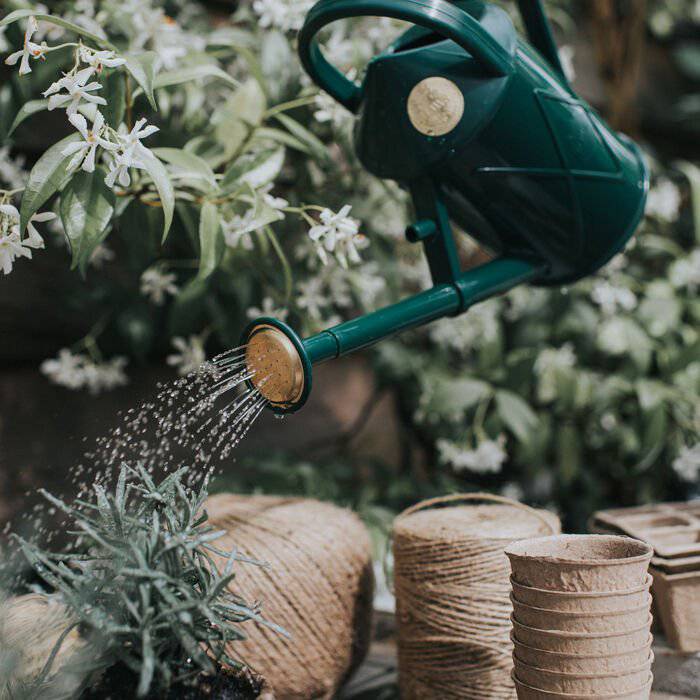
(484, 129)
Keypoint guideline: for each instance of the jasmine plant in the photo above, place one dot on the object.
(142, 583)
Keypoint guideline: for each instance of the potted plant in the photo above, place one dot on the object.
(155, 616)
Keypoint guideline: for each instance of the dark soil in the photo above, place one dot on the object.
(119, 683)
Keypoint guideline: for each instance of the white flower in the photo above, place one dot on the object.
(312, 298)
(551, 366)
(86, 149)
(99, 59)
(268, 309)
(237, 231)
(277, 203)
(105, 375)
(566, 57)
(687, 463)
(76, 89)
(119, 170)
(555, 358)
(156, 284)
(337, 233)
(33, 239)
(131, 154)
(487, 458)
(12, 171)
(11, 248)
(66, 369)
(328, 110)
(611, 298)
(140, 131)
(369, 284)
(608, 421)
(686, 272)
(170, 43)
(513, 490)
(286, 15)
(663, 201)
(78, 371)
(36, 51)
(190, 354)
(101, 255)
(464, 333)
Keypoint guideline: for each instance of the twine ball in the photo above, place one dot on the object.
(452, 587)
(318, 587)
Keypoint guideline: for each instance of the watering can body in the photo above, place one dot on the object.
(484, 130)
(521, 163)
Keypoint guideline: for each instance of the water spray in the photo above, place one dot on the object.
(483, 129)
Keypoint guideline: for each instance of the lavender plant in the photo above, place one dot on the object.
(142, 584)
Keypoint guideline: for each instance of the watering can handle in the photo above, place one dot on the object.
(437, 15)
(539, 32)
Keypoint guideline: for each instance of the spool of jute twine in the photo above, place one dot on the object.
(318, 587)
(452, 587)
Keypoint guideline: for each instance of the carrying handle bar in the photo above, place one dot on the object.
(539, 32)
(437, 15)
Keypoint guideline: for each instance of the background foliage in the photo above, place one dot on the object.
(578, 397)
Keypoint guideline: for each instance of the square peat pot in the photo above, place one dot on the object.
(677, 602)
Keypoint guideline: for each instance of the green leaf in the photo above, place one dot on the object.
(58, 21)
(568, 449)
(692, 172)
(241, 113)
(210, 240)
(280, 136)
(449, 397)
(26, 111)
(185, 75)
(188, 164)
(161, 180)
(516, 414)
(315, 146)
(87, 205)
(265, 170)
(47, 176)
(114, 91)
(142, 67)
(651, 393)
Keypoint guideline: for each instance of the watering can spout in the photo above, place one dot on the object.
(281, 362)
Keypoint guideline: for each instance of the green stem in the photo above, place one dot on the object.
(286, 268)
(291, 104)
(129, 97)
(480, 416)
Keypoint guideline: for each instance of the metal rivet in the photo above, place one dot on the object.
(435, 106)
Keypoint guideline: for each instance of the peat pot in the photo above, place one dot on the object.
(582, 622)
(580, 562)
(527, 692)
(586, 644)
(584, 684)
(588, 601)
(581, 663)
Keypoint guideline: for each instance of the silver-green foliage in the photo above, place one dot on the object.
(142, 581)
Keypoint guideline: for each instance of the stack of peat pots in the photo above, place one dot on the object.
(581, 617)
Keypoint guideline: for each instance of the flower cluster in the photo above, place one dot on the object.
(78, 371)
(157, 285)
(12, 244)
(487, 458)
(190, 354)
(76, 92)
(287, 15)
(338, 234)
